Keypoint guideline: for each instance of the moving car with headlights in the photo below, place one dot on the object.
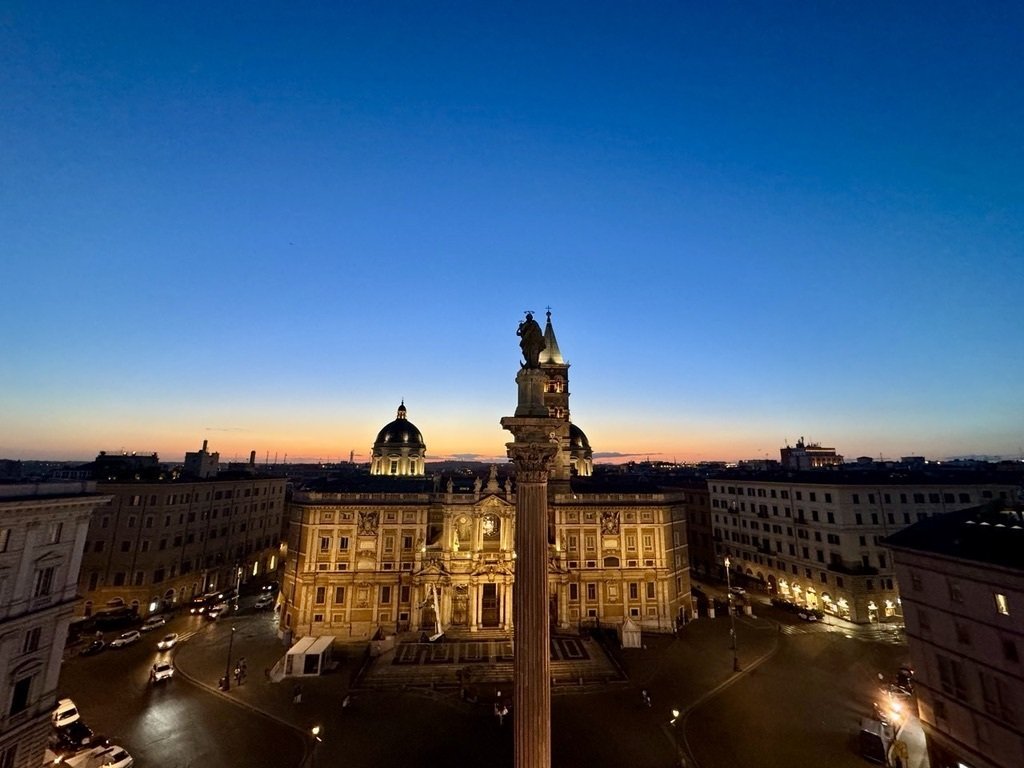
(65, 713)
(71, 738)
(104, 756)
(263, 602)
(152, 623)
(161, 671)
(127, 638)
(168, 642)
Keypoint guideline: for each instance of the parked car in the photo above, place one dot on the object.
(127, 638)
(168, 642)
(92, 648)
(65, 713)
(117, 757)
(72, 737)
(162, 670)
(152, 623)
(810, 614)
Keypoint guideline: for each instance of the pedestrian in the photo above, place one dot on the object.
(238, 675)
(346, 701)
(297, 694)
(645, 697)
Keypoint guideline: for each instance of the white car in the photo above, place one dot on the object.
(152, 623)
(162, 670)
(168, 642)
(65, 713)
(111, 756)
(129, 637)
(218, 610)
(263, 602)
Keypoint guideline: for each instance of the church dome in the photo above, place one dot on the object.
(577, 439)
(581, 456)
(399, 448)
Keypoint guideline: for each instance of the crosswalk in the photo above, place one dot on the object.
(874, 634)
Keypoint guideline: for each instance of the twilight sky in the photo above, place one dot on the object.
(264, 224)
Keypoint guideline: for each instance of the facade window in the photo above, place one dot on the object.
(321, 595)
(951, 677)
(55, 531)
(954, 592)
(43, 583)
(385, 595)
(20, 694)
(339, 595)
(856, 498)
(591, 542)
(1010, 650)
(8, 756)
(325, 543)
(342, 543)
(1002, 606)
(574, 592)
(634, 591)
(915, 582)
(650, 590)
(963, 635)
(31, 642)
(591, 591)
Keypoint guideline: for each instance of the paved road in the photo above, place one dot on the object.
(802, 707)
(174, 724)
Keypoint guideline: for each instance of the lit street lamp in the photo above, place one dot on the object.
(317, 740)
(680, 760)
(732, 620)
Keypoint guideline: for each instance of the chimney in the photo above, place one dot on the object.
(204, 446)
(252, 458)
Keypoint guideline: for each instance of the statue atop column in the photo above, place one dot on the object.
(531, 341)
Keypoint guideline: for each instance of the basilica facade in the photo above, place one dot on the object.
(398, 551)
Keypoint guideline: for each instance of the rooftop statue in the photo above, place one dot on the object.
(531, 341)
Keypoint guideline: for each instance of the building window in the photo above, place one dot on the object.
(342, 543)
(385, 595)
(634, 591)
(339, 595)
(43, 583)
(650, 590)
(591, 542)
(954, 592)
(574, 592)
(8, 756)
(321, 596)
(1002, 606)
(20, 695)
(963, 635)
(31, 642)
(325, 543)
(951, 676)
(591, 591)
(1010, 650)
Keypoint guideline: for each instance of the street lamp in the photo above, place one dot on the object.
(732, 620)
(680, 760)
(317, 740)
(227, 668)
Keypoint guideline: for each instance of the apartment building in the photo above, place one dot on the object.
(42, 532)
(815, 537)
(961, 579)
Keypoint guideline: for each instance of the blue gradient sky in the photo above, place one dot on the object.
(264, 225)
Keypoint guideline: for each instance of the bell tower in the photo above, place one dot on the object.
(556, 400)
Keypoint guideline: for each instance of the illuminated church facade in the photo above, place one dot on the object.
(397, 551)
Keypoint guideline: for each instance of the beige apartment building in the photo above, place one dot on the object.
(42, 532)
(815, 538)
(157, 543)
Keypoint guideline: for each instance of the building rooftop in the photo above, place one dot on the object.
(988, 534)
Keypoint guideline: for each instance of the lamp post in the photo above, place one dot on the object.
(732, 620)
(680, 760)
(317, 740)
(227, 668)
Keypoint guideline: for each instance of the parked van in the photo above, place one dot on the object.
(875, 740)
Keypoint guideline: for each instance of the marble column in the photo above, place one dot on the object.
(532, 453)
